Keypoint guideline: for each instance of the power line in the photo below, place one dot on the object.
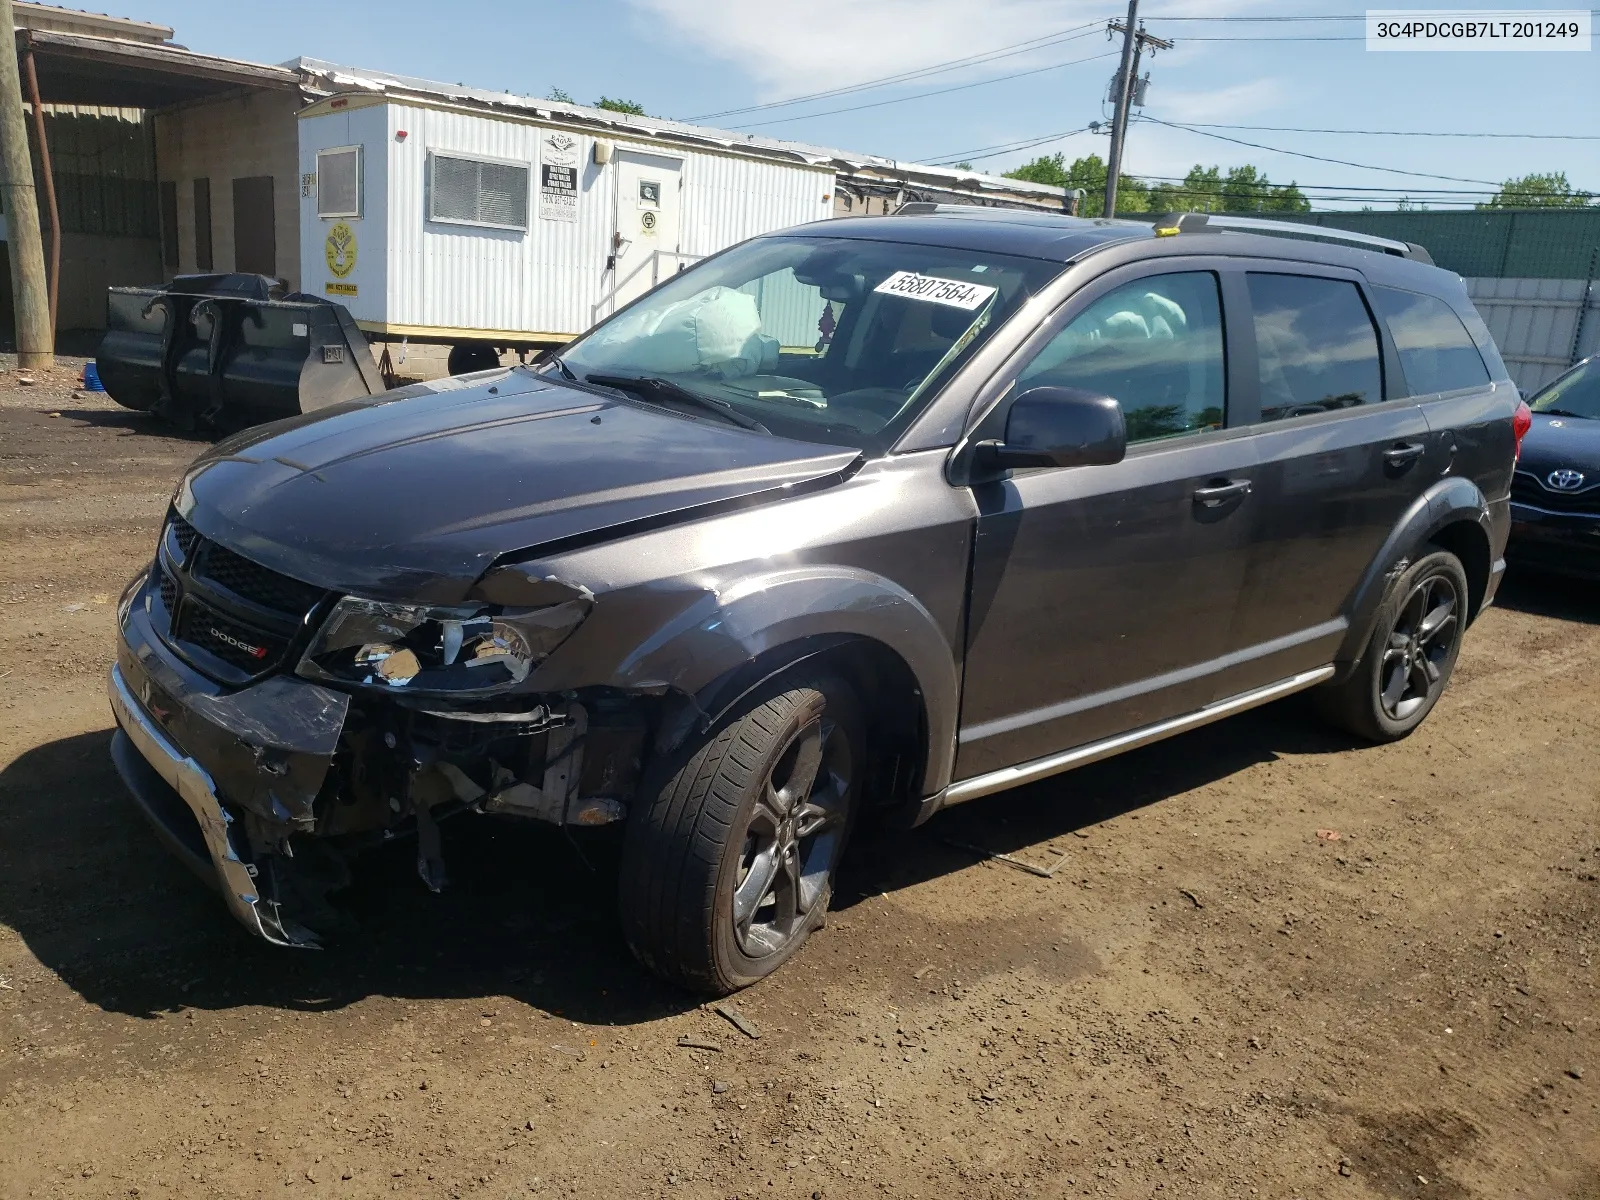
(1343, 162)
(1071, 33)
(923, 95)
(982, 152)
(1571, 137)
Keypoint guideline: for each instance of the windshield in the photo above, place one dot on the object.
(831, 340)
(1574, 395)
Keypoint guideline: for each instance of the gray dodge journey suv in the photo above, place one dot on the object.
(875, 514)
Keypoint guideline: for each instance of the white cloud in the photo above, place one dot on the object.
(1234, 102)
(791, 47)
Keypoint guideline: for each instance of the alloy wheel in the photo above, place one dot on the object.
(792, 839)
(1419, 649)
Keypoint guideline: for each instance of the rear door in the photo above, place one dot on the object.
(1343, 454)
(1103, 596)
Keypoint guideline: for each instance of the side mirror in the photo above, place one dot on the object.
(1058, 427)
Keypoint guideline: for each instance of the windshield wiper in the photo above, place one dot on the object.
(664, 391)
(566, 371)
(1561, 412)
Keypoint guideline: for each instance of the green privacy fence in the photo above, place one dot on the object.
(1527, 243)
(1505, 244)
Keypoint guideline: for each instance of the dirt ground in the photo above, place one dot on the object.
(1210, 997)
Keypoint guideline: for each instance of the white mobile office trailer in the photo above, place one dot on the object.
(436, 221)
(476, 219)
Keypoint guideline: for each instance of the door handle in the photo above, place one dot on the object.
(1403, 454)
(1218, 493)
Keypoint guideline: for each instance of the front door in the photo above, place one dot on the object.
(1102, 597)
(646, 241)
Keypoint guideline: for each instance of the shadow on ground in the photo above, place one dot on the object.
(528, 915)
(1544, 595)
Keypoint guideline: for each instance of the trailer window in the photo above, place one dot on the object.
(471, 191)
(339, 182)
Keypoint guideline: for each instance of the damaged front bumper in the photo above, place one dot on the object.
(157, 773)
(269, 790)
(202, 762)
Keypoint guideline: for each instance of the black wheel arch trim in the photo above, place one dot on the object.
(1453, 512)
(717, 646)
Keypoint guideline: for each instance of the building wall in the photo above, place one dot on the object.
(222, 140)
(550, 279)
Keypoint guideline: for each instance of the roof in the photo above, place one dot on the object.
(28, 15)
(331, 78)
(1057, 237)
(1053, 236)
(116, 72)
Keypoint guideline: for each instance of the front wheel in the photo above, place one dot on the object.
(728, 868)
(1410, 656)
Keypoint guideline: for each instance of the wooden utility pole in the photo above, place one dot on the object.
(29, 292)
(1134, 41)
(1119, 122)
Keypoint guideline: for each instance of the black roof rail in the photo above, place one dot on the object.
(1191, 222)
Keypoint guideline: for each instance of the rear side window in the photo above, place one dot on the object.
(1436, 351)
(1316, 344)
(1154, 345)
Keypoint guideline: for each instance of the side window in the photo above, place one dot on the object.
(1436, 351)
(1316, 344)
(1155, 345)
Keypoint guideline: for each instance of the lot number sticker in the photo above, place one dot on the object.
(954, 292)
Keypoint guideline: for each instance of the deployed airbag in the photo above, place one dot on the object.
(718, 331)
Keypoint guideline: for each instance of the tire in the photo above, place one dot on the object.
(1409, 658)
(468, 357)
(726, 867)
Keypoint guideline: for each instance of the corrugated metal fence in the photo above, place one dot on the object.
(1542, 326)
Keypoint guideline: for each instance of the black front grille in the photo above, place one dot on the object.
(1529, 489)
(169, 593)
(186, 535)
(250, 581)
(238, 645)
(232, 618)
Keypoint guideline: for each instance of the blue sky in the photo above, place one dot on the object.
(689, 58)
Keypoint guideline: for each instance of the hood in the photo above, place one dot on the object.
(1553, 443)
(413, 494)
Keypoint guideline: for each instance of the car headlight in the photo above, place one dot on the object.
(479, 649)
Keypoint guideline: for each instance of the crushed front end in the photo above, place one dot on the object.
(270, 729)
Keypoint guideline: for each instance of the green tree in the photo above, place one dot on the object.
(1133, 195)
(621, 106)
(1243, 189)
(1537, 190)
(562, 96)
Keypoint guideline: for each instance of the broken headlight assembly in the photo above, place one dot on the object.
(442, 651)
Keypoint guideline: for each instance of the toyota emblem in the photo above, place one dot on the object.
(1565, 480)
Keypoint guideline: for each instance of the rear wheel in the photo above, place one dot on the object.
(729, 866)
(1410, 656)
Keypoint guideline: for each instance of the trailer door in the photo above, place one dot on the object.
(646, 240)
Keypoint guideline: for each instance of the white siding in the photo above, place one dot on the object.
(367, 128)
(551, 278)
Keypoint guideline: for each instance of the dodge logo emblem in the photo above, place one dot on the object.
(1565, 480)
(252, 651)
